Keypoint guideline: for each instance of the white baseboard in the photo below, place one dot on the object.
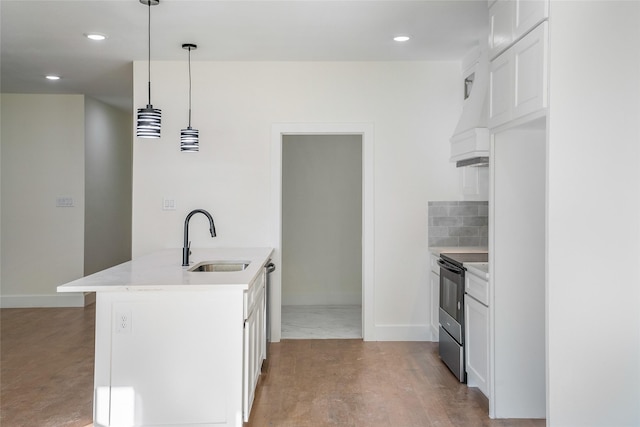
(343, 299)
(52, 300)
(403, 333)
(434, 334)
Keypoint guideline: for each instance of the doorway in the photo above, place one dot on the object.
(321, 236)
(365, 131)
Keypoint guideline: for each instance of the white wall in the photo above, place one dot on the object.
(108, 163)
(42, 159)
(594, 214)
(322, 220)
(517, 263)
(413, 106)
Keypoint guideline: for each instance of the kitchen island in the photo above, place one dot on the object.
(176, 347)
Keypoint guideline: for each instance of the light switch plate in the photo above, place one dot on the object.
(64, 202)
(168, 204)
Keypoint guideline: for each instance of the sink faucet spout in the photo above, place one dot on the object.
(186, 251)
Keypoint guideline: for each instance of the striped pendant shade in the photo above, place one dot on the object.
(189, 140)
(148, 124)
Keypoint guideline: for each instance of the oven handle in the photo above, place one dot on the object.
(449, 267)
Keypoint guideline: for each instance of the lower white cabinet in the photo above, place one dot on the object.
(434, 281)
(170, 358)
(476, 319)
(254, 344)
(179, 358)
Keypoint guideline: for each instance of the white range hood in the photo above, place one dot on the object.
(470, 140)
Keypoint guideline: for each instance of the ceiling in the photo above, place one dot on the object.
(43, 37)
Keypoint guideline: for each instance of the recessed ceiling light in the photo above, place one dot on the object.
(52, 77)
(95, 36)
(401, 38)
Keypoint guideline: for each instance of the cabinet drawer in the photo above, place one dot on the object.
(477, 288)
(251, 294)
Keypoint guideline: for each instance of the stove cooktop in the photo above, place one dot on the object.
(460, 258)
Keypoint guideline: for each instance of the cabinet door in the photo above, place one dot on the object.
(254, 337)
(435, 304)
(476, 319)
(528, 14)
(530, 68)
(500, 89)
(500, 26)
(250, 356)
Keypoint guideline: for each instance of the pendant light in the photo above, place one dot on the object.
(148, 125)
(189, 136)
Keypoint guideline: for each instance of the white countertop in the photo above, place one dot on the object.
(163, 271)
(480, 269)
(437, 250)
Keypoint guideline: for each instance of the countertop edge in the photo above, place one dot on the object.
(162, 271)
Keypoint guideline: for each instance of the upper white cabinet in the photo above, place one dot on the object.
(501, 89)
(530, 62)
(510, 20)
(527, 14)
(500, 26)
(518, 79)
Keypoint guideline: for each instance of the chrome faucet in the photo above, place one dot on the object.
(186, 249)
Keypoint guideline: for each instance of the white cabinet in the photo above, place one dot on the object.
(527, 14)
(476, 326)
(510, 20)
(500, 26)
(434, 280)
(254, 341)
(476, 323)
(477, 287)
(530, 72)
(501, 89)
(518, 79)
(162, 358)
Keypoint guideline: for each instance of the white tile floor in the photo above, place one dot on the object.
(321, 321)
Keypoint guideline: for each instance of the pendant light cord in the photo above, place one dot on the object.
(189, 86)
(149, 51)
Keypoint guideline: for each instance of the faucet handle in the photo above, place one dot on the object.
(189, 247)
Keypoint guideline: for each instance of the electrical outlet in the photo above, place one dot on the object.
(123, 322)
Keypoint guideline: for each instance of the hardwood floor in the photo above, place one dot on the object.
(46, 358)
(355, 383)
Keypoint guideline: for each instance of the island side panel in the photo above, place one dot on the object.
(169, 357)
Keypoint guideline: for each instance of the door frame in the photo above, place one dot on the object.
(275, 291)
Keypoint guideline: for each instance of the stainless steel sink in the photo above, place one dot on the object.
(220, 266)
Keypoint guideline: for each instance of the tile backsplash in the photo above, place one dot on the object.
(458, 224)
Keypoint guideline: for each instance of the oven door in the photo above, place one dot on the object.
(452, 299)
